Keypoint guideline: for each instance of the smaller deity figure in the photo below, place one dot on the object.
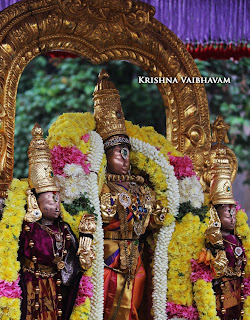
(228, 257)
(49, 275)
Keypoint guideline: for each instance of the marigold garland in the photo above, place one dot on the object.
(189, 237)
(205, 300)
(10, 229)
(69, 129)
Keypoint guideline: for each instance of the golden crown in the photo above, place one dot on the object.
(41, 176)
(108, 112)
(221, 191)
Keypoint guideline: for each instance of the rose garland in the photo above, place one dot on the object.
(10, 229)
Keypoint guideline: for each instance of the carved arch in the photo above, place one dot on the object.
(101, 31)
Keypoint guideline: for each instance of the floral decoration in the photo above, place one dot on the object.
(175, 273)
(10, 229)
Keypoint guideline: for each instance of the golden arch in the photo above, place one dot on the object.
(101, 31)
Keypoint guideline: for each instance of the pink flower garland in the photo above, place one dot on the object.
(85, 290)
(177, 310)
(200, 271)
(61, 156)
(183, 166)
(10, 289)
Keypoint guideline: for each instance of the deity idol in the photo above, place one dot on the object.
(229, 260)
(128, 208)
(49, 275)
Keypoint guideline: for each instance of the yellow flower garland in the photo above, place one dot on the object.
(68, 129)
(188, 236)
(149, 135)
(205, 300)
(10, 229)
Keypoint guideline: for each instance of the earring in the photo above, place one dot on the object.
(33, 213)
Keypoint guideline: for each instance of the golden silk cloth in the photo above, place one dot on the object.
(122, 300)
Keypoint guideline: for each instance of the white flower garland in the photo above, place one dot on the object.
(164, 237)
(160, 272)
(95, 158)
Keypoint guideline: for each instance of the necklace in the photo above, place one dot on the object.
(60, 244)
(57, 234)
(124, 177)
(237, 250)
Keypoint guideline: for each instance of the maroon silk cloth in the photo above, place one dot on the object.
(232, 285)
(43, 250)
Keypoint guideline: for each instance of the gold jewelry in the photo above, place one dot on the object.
(237, 251)
(221, 191)
(60, 245)
(124, 178)
(41, 176)
(33, 213)
(108, 112)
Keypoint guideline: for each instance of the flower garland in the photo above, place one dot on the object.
(96, 159)
(78, 160)
(188, 235)
(152, 153)
(162, 176)
(160, 268)
(10, 229)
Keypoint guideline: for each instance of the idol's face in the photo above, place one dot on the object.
(49, 204)
(118, 159)
(227, 214)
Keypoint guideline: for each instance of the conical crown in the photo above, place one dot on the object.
(221, 191)
(108, 112)
(41, 176)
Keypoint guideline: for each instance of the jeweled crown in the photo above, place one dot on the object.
(108, 112)
(221, 191)
(41, 176)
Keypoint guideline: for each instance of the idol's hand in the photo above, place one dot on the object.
(85, 252)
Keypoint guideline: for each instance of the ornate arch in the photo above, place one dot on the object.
(101, 31)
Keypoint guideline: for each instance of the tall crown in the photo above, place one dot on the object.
(221, 191)
(41, 176)
(108, 112)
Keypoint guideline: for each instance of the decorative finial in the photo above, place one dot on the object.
(37, 131)
(103, 75)
(220, 129)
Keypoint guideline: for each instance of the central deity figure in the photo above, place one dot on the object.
(128, 208)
